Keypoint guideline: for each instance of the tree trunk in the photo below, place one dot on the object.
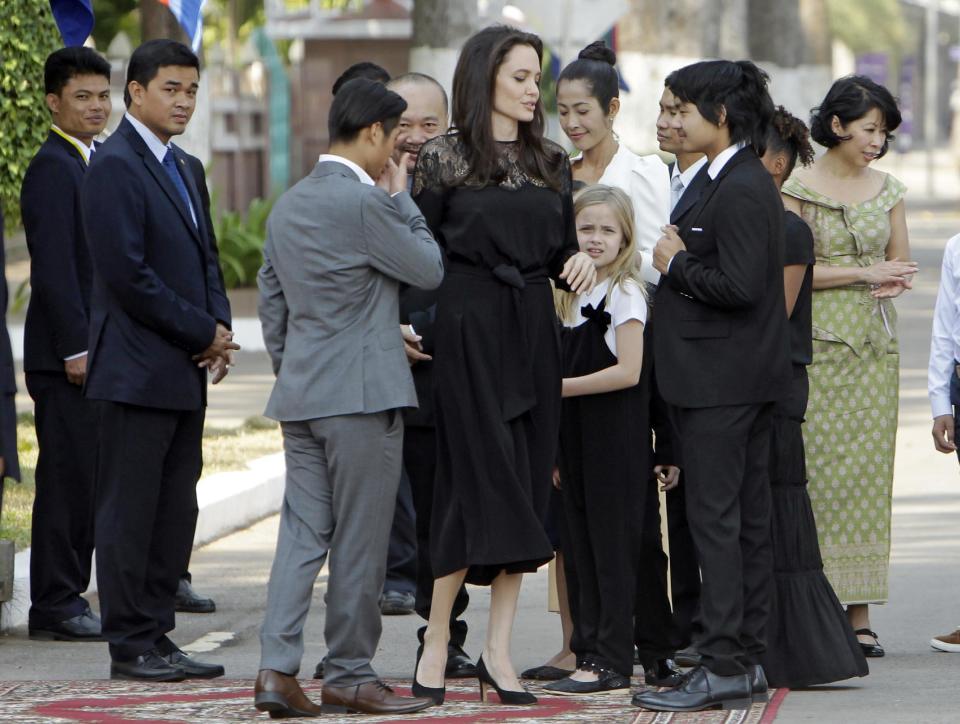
(775, 31)
(439, 29)
(156, 21)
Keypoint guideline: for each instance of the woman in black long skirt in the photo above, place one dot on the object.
(809, 639)
(496, 195)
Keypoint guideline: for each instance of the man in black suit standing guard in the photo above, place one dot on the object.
(722, 357)
(77, 83)
(159, 320)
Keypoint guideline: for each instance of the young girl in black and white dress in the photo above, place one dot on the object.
(602, 468)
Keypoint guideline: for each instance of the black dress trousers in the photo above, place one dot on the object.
(726, 451)
(63, 507)
(148, 467)
(684, 569)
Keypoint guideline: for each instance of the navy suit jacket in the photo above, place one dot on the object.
(157, 288)
(57, 322)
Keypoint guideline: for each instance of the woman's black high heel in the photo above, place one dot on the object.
(418, 689)
(506, 697)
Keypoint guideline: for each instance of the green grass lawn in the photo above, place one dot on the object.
(223, 450)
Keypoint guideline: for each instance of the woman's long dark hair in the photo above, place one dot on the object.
(474, 82)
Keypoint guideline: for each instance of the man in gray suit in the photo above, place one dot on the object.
(338, 247)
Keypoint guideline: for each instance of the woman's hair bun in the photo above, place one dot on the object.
(598, 51)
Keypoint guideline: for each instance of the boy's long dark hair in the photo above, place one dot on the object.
(740, 88)
(474, 81)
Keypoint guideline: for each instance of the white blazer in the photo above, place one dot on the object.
(646, 180)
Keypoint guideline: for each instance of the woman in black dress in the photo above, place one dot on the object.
(496, 195)
(809, 640)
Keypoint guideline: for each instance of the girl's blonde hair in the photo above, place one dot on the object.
(626, 267)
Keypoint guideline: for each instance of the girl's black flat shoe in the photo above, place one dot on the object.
(871, 651)
(608, 682)
(545, 673)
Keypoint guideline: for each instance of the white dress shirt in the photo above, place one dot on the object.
(681, 179)
(158, 148)
(716, 166)
(646, 180)
(364, 177)
(945, 341)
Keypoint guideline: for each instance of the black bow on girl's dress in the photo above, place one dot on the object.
(598, 314)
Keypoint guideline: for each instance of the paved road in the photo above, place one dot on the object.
(912, 684)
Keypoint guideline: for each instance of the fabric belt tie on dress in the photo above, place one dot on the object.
(517, 383)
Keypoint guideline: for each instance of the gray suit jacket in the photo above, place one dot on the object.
(335, 254)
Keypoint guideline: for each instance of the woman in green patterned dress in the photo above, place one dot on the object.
(862, 263)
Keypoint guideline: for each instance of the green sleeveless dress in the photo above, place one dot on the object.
(851, 422)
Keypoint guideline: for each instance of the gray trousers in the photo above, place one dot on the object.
(341, 487)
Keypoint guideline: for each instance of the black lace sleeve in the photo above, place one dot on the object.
(570, 245)
(432, 180)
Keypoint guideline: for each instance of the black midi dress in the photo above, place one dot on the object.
(809, 640)
(496, 357)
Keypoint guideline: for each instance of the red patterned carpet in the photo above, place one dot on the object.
(226, 701)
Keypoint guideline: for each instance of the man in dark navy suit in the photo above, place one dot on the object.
(159, 319)
(77, 83)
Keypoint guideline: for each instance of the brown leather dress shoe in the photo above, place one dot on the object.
(374, 697)
(281, 695)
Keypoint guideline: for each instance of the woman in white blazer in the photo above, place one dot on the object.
(588, 102)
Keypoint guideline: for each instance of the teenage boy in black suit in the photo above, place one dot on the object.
(722, 356)
(77, 84)
(159, 319)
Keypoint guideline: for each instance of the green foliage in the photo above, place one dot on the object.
(240, 242)
(27, 36)
(869, 26)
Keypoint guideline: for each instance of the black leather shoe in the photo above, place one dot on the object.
(687, 657)
(662, 673)
(149, 666)
(758, 684)
(192, 668)
(545, 673)
(321, 665)
(397, 603)
(871, 651)
(701, 689)
(459, 665)
(85, 627)
(608, 682)
(189, 601)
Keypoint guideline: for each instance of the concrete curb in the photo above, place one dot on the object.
(227, 502)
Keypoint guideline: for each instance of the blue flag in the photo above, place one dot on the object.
(74, 19)
(189, 13)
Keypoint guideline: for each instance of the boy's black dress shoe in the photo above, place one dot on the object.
(662, 673)
(149, 666)
(85, 627)
(688, 656)
(758, 684)
(192, 668)
(189, 601)
(459, 665)
(701, 689)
